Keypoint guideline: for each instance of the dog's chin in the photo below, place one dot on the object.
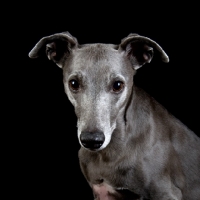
(93, 150)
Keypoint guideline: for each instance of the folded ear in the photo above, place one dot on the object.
(57, 47)
(140, 50)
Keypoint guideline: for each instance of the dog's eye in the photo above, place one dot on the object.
(118, 86)
(74, 85)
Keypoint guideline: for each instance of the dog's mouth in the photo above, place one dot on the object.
(92, 147)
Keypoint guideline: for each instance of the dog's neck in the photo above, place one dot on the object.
(135, 121)
(138, 112)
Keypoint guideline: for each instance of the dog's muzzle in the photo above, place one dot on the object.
(92, 140)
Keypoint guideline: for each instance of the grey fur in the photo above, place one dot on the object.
(131, 147)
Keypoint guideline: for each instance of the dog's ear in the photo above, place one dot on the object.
(57, 47)
(140, 50)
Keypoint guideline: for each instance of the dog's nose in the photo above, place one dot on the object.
(92, 140)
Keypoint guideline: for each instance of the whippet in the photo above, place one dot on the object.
(131, 146)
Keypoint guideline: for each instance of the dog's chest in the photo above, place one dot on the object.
(112, 177)
(113, 171)
(112, 182)
(104, 191)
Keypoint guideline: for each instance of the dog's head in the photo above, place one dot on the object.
(98, 79)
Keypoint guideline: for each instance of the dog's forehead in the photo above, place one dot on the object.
(99, 54)
(97, 48)
(98, 58)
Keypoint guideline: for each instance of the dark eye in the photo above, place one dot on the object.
(118, 86)
(74, 85)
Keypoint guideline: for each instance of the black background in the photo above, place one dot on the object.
(43, 155)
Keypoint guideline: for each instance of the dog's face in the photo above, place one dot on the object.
(98, 80)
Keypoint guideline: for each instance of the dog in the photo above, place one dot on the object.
(131, 146)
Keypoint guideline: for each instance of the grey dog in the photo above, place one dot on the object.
(131, 146)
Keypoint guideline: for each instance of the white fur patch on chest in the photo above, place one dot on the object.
(104, 191)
